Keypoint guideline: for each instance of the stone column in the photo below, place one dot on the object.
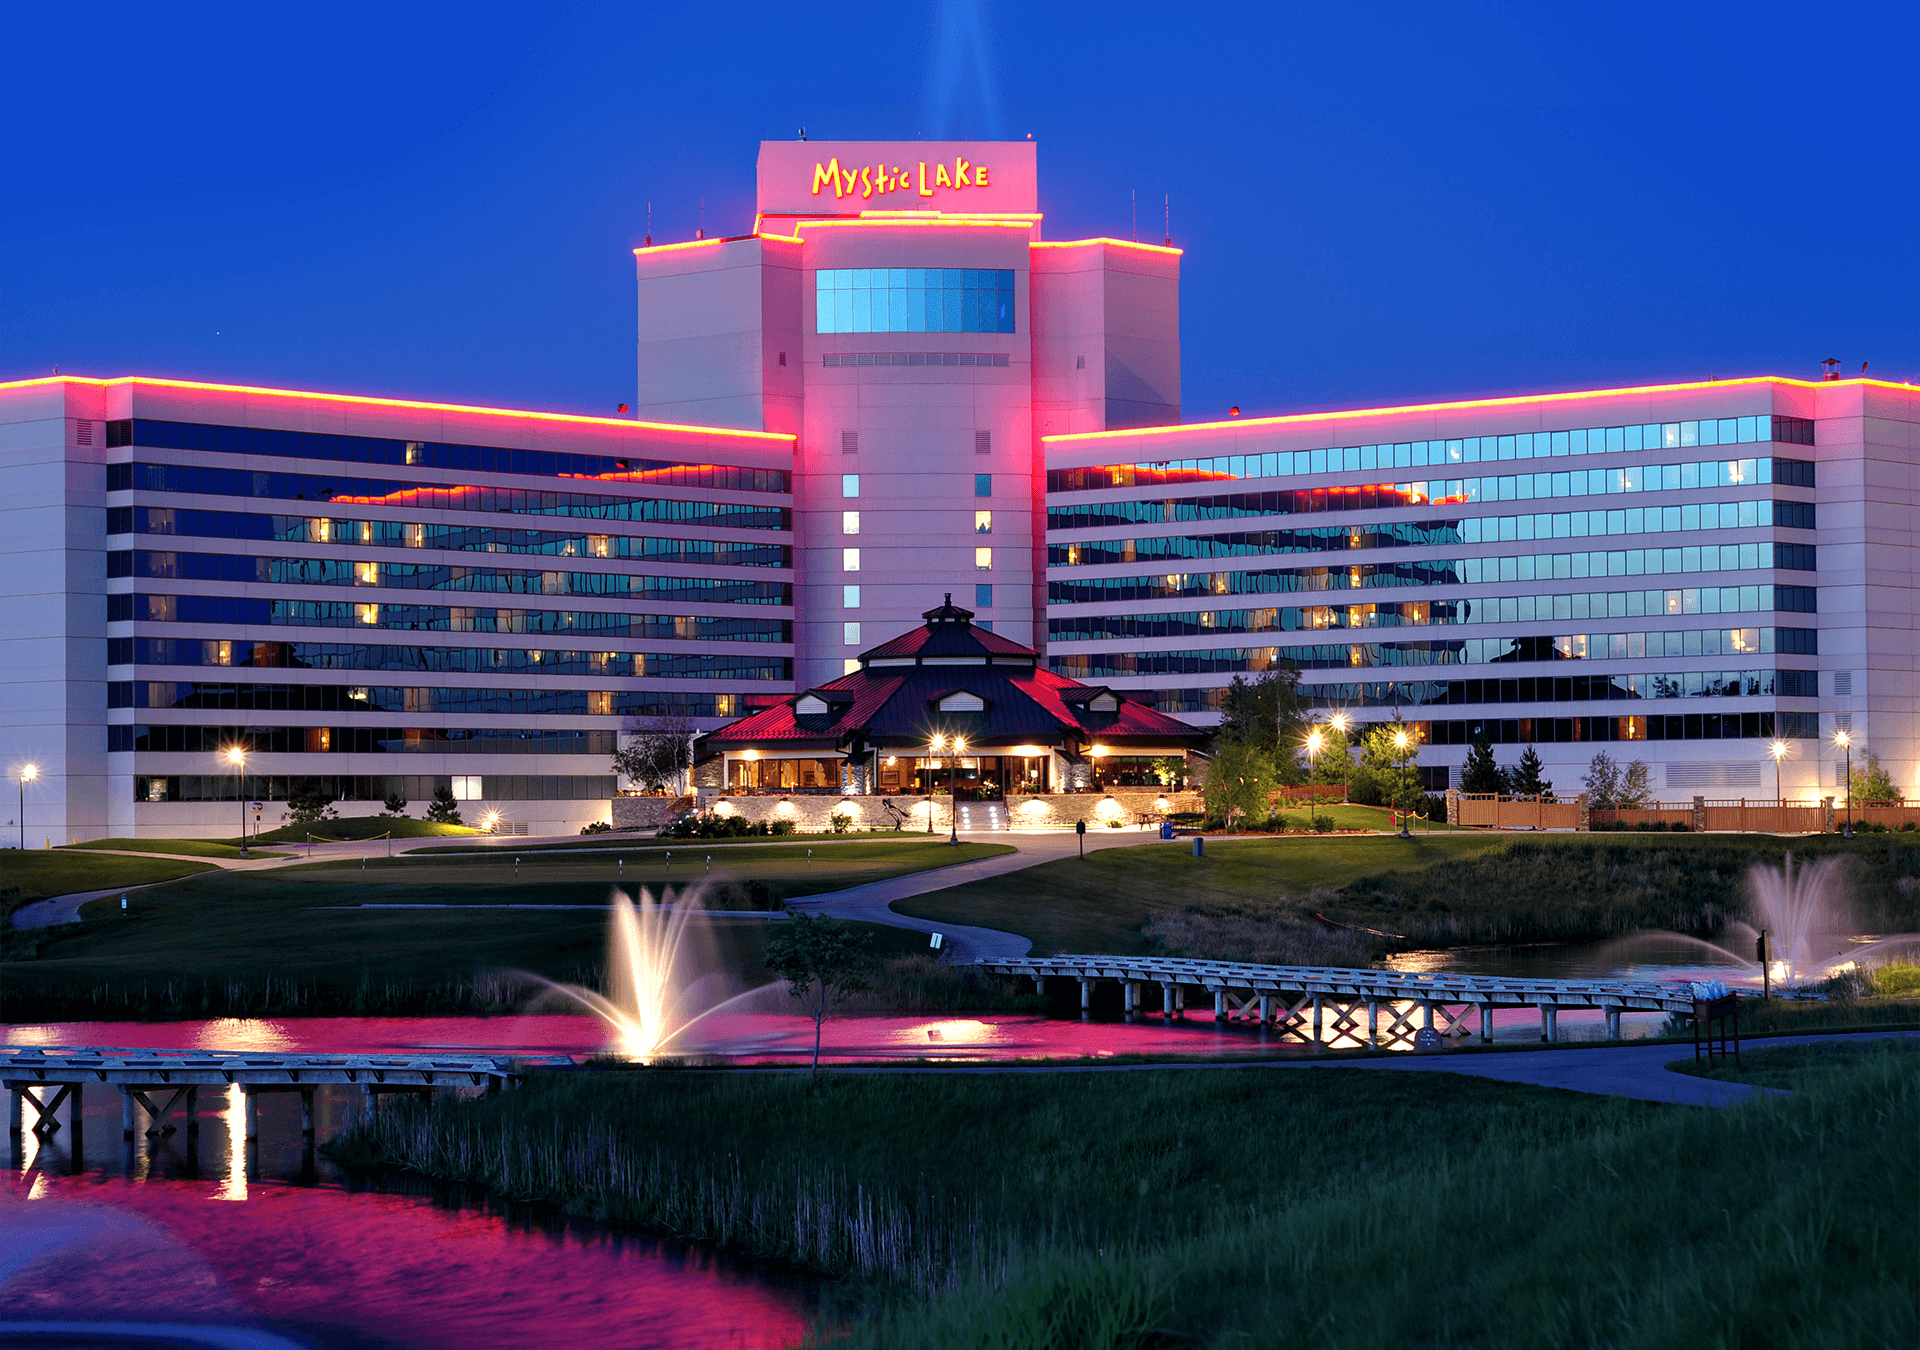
(1586, 814)
(1453, 806)
(1827, 821)
(1699, 813)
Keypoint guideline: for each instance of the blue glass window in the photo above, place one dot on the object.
(914, 300)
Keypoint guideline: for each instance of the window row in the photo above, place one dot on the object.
(834, 360)
(1424, 454)
(225, 652)
(192, 694)
(369, 788)
(438, 577)
(913, 300)
(438, 455)
(166, 520)
(209, 482)
(227, 609)
(356, 741)
(1743, 726)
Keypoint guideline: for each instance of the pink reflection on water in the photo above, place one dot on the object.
(354, 1268)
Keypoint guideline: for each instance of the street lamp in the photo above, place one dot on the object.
(953, 812)
(28, 772)
(934, 746)
(1779, 752)
(1314, 741)
(1400, 743)
(237, 758)
(1339, 723)
(1844, 739)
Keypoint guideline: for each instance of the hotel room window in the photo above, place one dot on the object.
(849, 485)
(850, 597)
(983, 485)
(983, 522)
(983, 595)
(850, 632)
(849, 560)
(983, 560)
(849, 522)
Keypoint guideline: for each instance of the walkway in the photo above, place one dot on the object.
(873, 902)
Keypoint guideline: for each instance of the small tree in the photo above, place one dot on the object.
(1871, 782)
(1603, 782)
(1170, 771)
(1334, 764)
(394, 805)
(444, 810)
(1527, 780)
(1636, 786)
(1481, 774)
(1267, 714)
(308, 802)
(823, 961)
(658, 751)
(1389, 767)
(1240, 782)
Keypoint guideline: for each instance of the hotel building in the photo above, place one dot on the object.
(892, 388)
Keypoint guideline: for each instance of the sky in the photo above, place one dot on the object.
(1379, 204)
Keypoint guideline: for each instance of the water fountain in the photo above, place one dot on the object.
(1798, 908)
(659, 987)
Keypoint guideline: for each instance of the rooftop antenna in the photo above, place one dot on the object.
(1832, 363)
(649, 240)
(1135, 195)
(1169, 206)
(701, 233)
(803, 133)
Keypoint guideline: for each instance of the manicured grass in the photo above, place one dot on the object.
(1788, 1066)
(834, 865)
(1438, 890)
(185, 848)
(42, 873)
(1253, 1207)
(358, 827)
(294, 940)
(635, 843)
(1099, 903)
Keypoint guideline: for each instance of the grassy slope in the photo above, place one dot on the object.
(637, 843)
(235, 942)
(1098, 903)
(1255, 1207)
(42, 873)
(185, 848)
(359, 827)
(1450, 888)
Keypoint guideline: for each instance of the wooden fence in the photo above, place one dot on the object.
(1496, 812)
(1767, 816)
(1635, 816)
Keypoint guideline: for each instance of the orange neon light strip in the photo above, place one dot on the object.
(691, 243)
(374, 401)
(1509, 401)
(1116, 243)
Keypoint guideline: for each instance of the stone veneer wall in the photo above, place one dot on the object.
(815, 812)
(648, 813)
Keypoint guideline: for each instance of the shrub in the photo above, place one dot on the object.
(444, 810)
(596, 827)
(1322, 824)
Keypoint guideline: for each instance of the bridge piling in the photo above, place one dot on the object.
(1040, 985)
(1086, 998)
(1166, 1001)
(1486, 1024)
(127, 1109)
(306, 1114)
(1316, 1019)
(1549, 1023)
(1613, 1024)
(250, 1112)
(1266, 1009)
(1219, 1005)
(1373, 1021)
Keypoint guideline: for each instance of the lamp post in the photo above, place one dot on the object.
(28, 772)
(1314, 741)
(953, 811)
(1844, 739)
(1339, 723)
(237, 758)
(1400, 743)
(1779, 752)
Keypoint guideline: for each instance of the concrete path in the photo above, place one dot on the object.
(873, 902)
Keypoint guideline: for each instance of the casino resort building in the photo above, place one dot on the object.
(892, 389)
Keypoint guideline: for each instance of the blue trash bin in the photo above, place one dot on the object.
(1166, 829)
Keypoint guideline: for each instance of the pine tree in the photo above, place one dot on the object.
(1481, 774)
(1527, 781)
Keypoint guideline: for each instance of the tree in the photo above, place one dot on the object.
(1636, 786)
(1386, 770)
(444, 810)
(822, 960)
(1602, 782)
(1240, 782)
(658, 751)
(1526, 779)
(1266, 714)
(1334, 763)
(1170, 771)
(394, 805)
(308, 802)
(1480, 774)
(1871, 782)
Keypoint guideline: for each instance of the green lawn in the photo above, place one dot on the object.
(358, 827)
(1156, 1209)
(185, 848)
(636, 843)
(42, 873)
(1441, 890)
(1099, 903)
(294, 940)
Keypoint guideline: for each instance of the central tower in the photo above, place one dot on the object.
(896, 308)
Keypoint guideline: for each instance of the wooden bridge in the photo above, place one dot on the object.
(163, 1083)
(1320, 1005)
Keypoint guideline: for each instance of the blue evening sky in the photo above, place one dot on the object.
(1379, 203)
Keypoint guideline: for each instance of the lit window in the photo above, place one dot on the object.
(914, 300)
(850, 633)
(600, 545)
(416, 536)
(983, 485)
(319, 530)
(983, 560)
(366, 613)
(850, 597)
(849, 665)
(600, 702)
(849, 522)
(849, 560)
(366, 574)
(466, 788)
(849, 485)
(983, 522)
